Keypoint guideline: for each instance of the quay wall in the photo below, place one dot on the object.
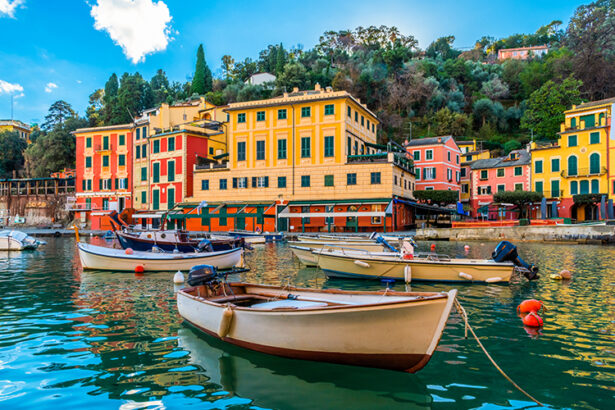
(557, 233)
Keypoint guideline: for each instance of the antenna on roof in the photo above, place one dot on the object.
(133, 118)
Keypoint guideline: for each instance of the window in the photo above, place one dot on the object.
(351, 179)
(171, 171)
(538, 186)
(501, 188)
(143, 150)
(465, 188)
(349, 111)
(584, 187)
(463, 172)
(594, 163)
(348, 146)
(362, 121)
(373, 128)
(469, 158)
(143, 197)
(88, 142)
(572, 165)
(122, 139)
(105, 204)
(572, 140)
(260, 150)
(457, 159)
(484, 190)
(241, 151)
(519, 187)
(138, 133)
(554, 164)
(260, 116)
(282, 114)
(483, 174)
(574, 187)
(88, 162)
(305, 147)
(418, 173)
(106, 142)
(595, 186)
(156, 171)
(328, 180)
(367, 125)
(356, 116)
(144, 132)
(329, 109)
(329, 146)
(590, 120)
(171, 144)
(211, 151)
(144, 174)
(573, 122)
(138, 152)
(241, 117)
(121, 160)
(105, 160)
(554, 189)
(538, 167)
(240, 182)
(306, 112)
(428, 154)
(281, 182)
(448, 156)
(282, 149)
(518, 171)
(223, 184)
(594, 138)
(305, 181)
(417, 155)
(500, 172)
(449, 174)
(260, 182)
(156, 146)
(375, 178)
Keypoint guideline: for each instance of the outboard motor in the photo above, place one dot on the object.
(205, 246)
(202, 275)
(383, 241)
(506, 251)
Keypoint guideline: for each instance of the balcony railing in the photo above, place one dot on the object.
(100, 148)
(583, 172)
(553, 194)
(223, 165)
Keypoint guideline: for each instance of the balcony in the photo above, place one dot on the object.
(100, 149)
(583, 172)
(398, 159)
(212, 166)
(553, 194)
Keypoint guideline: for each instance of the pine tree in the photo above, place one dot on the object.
(110, 100)
(202, 81)
(281, 60)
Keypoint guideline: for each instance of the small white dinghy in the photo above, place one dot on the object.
(17, 241)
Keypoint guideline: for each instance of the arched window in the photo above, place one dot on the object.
(573, 122)
(574, 187)
(594, 163)
(584, 187)
(572, 165)
(595, 186)
(601, 118)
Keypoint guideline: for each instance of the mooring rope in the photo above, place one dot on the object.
(464, 315)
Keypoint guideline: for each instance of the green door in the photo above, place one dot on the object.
(282, 225)
(241, 223)
(156, 199)
(170, 198)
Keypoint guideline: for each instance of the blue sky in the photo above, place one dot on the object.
(65, 49)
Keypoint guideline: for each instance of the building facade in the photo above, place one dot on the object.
(470, 152)
(436, 162)
(22, 128)
(522, 53)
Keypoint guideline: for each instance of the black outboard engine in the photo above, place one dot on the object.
(202, 275)
(506, 251)
(205, 246)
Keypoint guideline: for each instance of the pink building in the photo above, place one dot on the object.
(522, 53)
(488, 176)
(436, 162)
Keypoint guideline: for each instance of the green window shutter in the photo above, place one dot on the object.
(328, 180)
(260, 150)
(171, 171)
(100, 184)
(595, 186)
(329, 148)
(594, 138)
(223, 184)
(106, 142)
(241, 117)
(143, 174)
(572, 165)
(282, 114)
(555, 165)
(88, 142)
(572, 140)
(83, 185)
(281, 182)
(156, 172)
(122, 139)
(590, 120)
(554, 189)
(241, 151)
(306, 112)
(282, 149)
(594, 163)
(171, 144)
(254, 182)
(121, 160)
(538, 167)
(584, 187)
(539, 187)
(260, 116)
(234, 182)
(574, 188)
(305, 147)
(329, 109)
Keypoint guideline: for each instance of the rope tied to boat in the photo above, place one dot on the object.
(460, 309)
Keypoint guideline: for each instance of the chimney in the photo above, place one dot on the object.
(295, 89)
(439, 140)
(285, 95)
(317, 87)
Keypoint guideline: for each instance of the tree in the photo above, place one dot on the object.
(94, 110)
(546, 106)
(59, 112)
(202, 80)
(521, 199)
(228, 63)
(438, 196)
(495, 89)
(447, 122)
(110, 110)
(443, 48)
(12, 147)
(294, 75)
(160, 88)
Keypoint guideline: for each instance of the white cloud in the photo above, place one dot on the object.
(20, 95)
(6, 87)
(50, 87)
(7, 7)
(140, 27)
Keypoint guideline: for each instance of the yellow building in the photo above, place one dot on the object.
(13, 125)
(577, 162)
(310, 153)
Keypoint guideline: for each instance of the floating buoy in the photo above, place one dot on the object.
(225, 322)
(565, 274)
(529, 305)
(433, 247)
(408, 274)
(493, 280)
(129, 251)
(465, 275)
(532, 320)
(466, 248)
(139, 269)
(178, 277)
(361, 263)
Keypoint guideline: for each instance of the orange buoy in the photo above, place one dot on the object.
(433, 247)
(128, 251)
(565, 274)
(139, 269)
(532, 320)
(530, 305)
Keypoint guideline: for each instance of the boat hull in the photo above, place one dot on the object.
(100, 258)
(303, 250)
(361, 267)
(142, 244)
(398, 336)
(255, 237)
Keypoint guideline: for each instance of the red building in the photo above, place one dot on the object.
(436, 163)
(104, 172)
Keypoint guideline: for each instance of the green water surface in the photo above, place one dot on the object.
(104, 340)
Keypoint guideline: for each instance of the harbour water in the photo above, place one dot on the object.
(101, 340)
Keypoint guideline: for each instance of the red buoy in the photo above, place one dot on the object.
(128, 251)
(530, 305)
(433, 247)
(139, 269)
(532, 320)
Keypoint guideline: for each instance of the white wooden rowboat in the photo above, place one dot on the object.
(303, 250)
(103, 258)
(386, 329)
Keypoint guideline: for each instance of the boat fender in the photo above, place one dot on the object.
(530, 305)
(225, 322)
(532, 320)
(465, 275)
(178, 277)
(408, 274)
(493, 280)
(128, 251)
(361, 263)
(139, 269)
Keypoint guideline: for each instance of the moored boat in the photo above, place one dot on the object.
(386, 329)
(103, 258)
(303, 250)
(172, 240)
(17, 241)
(258, 237)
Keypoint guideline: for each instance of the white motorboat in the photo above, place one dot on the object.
(17, 241)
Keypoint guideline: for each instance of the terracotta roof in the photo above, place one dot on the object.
(595, 103)
(428, 141)
(524, 159)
